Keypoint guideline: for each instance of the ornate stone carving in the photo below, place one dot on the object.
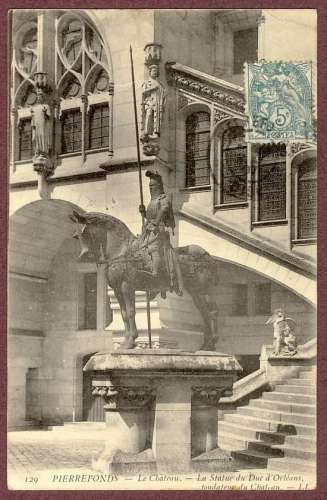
(284, 338)
(219, 115)
(210, 91)
(153, 102)
(183, 101)
(206, 395)
(296, 148)
(119, 396)
(42, 121)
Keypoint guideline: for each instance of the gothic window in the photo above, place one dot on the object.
(71, 131)
(83, 81)
(233, 166)
(28, 51)
(99, 126)
(72, 40)
(307, 200)
(80, 77)
(271, 193)
(25, 139)
(198, 149)
(23, 91)
(245, 48)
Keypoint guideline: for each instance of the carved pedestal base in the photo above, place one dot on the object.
(44, 169)
(165, 400)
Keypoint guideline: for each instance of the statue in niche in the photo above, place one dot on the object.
(41, 129)
(284, 339)
(153, 101)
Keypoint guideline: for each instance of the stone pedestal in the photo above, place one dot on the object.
(160, 402)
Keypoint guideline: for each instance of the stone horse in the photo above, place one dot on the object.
(113, 244)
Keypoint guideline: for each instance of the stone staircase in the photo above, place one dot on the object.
(276, 431)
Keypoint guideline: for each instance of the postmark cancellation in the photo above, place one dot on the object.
(279, 101)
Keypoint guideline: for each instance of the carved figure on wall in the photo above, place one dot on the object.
(153, 101)
(284, 338)
(41, 127)
(141, 263)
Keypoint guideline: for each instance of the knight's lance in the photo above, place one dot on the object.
(141, 186)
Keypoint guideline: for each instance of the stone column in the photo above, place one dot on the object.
(172, 432)
(204, 427)
(127, 418)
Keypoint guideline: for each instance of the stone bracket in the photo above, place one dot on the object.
(118, 396)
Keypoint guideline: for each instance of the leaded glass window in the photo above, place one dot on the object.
(25, 139)
(272, 183)
(71, 131)
(99, 126)
(307, 200)
(198, 149)
(234, 166)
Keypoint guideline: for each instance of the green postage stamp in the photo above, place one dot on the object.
(279, 101)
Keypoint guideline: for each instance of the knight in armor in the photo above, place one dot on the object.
(155, 236)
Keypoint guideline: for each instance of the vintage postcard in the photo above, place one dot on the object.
(162, 249)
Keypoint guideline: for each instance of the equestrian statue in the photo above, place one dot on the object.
(149, 262)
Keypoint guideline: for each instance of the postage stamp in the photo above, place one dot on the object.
(279, 101)
(162, 317)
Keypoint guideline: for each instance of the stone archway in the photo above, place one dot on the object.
(36, 233)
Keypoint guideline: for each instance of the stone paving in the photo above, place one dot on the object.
(61, 460)
(30, 451)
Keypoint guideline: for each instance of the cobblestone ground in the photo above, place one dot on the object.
(32, 451)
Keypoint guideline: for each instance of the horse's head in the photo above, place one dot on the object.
(97, 231)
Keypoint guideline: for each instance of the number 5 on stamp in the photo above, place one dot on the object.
(279, 101)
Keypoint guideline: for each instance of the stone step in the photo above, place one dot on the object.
(289, 451)
(301, 442)
(228, 442)
(231, 442)
(266, 448)
(303, 382)
(296, 389)
(287, 406)
(243, 433)
(270, 425)
(288, 464)
(252, 457)
(280, 416)
(307, 374)
(285, 397)
(79, 426)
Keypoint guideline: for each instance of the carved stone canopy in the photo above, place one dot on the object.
(152, 54)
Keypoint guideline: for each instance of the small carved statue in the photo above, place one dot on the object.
(284, 338)
(155, 237)
(41, 128)
(153, 102)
